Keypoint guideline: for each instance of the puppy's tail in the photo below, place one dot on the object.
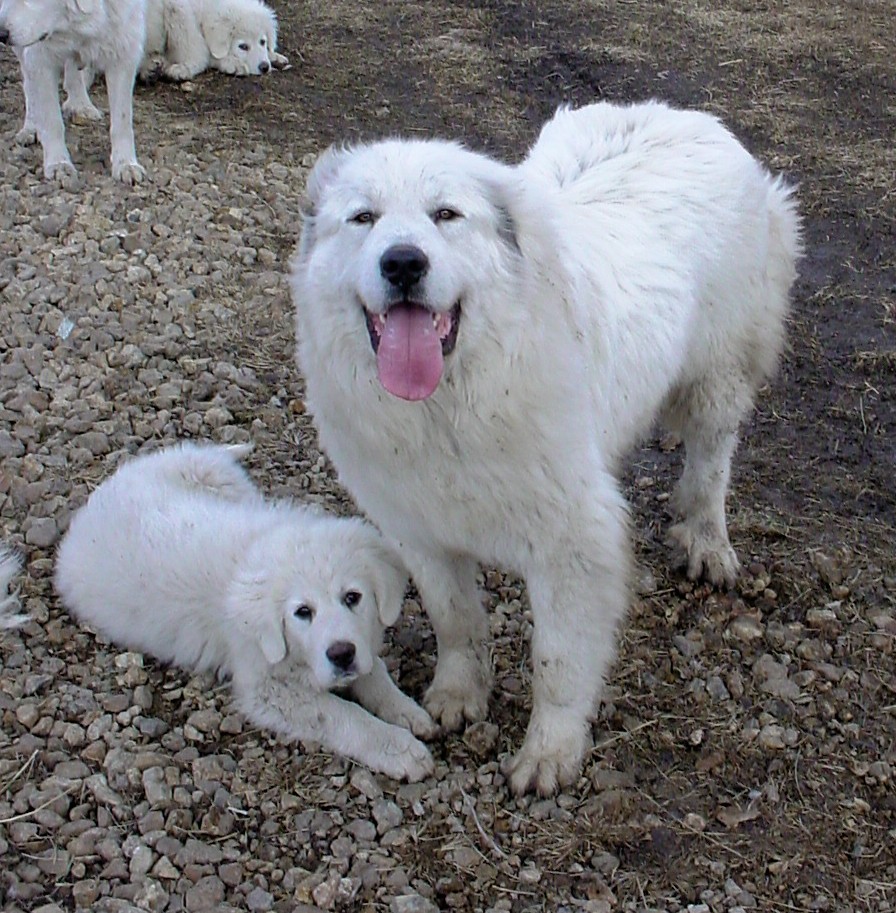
(10, 617)
(214, 468)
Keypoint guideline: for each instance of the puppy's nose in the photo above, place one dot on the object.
(341, 654)
(263, 67)
(4, 36)
(403, 265)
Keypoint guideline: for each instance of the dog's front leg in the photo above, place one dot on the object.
(579, 592)
(120, 77)
(41, 73)
(451, 597)
(382, 697)
(285, 707)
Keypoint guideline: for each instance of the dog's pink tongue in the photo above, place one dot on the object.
(409, 357)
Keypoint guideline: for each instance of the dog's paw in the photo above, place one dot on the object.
(551, 757)
(415, 718)
(405, 758)
(59, 171)
(279, 61)
(27, 136)
(179, 72)
(460, 690)
(129, 173)
(704, 554)
(82, 114)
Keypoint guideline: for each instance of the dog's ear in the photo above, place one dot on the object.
(322, 175)
(499, 195)
(387, 575)
(217, 33)
(252, 607)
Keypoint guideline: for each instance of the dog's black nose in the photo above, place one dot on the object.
(263, 67)
(4, 36)
(341, 654)
(403, 266)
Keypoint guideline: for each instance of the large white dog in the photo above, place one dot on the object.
(482, 344)
(52, 36)
(186, 37)
(178, 555)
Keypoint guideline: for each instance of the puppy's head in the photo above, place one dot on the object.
(242, 38)
(405, 244)
(23, 24)
(318, 593)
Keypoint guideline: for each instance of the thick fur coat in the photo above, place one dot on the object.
(483, 343)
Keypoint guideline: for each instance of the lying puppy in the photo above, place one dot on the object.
(10, 565)
(177, 555)
(483, 344)
(185, 37)
(52, 36)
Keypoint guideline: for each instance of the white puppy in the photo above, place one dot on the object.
(52, 36)
(178, 555)
(185, 37)
(483, 343)
(10, 565)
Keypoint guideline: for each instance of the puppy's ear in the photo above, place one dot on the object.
(252, 607)
(86, 6)
(387, 574)
(217, 33)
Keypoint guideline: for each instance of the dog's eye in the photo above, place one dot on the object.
(351, 599)
(244, 46)
(445, 214)
(263, 41)
(364, 217)
(305, 612)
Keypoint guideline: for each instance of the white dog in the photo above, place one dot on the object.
(185, 37)
(177, 555)
(10, 565)
(52, 36)
(483, 343)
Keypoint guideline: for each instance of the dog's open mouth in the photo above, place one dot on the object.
(411, 342)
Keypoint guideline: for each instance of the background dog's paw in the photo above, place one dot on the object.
(82, 114)
(279, 61)
(27, 136)
(703, 555)
(178, 72)
(129, 173)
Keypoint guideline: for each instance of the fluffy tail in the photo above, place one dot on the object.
(10, 565)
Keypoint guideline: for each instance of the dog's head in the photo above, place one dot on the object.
(242, 37)
(318, 592)
(402, 246)
(24, 23)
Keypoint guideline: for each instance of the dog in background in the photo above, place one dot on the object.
(52, 37)
(186, 37)
(10, 565)
(178, 555)
(483, 344)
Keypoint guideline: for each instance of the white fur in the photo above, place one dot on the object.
(186, 37)
(55, 36)
(635, 266)
(10, 616)
(178, 555)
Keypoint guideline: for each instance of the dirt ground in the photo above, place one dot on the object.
(746, 754)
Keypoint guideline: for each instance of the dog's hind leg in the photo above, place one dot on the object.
(706, 413)
(77, 104)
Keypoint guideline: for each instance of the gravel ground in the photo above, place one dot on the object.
(745, 753)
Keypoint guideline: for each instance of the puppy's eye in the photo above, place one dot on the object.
(244, 46)
(445, 214)
(305, 612)
(364, 217)
(263, 41)
(351, 599)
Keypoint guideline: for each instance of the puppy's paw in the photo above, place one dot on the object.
(704, 553)
(552, 753)
(179, 72)
(27, 136)
(405, 758)
(415, 718)
(129, 173)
